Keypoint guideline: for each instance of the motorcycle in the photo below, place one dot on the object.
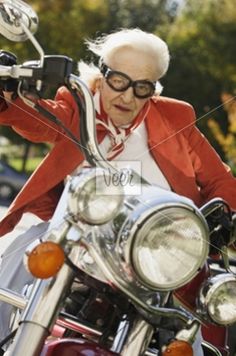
(118, 252)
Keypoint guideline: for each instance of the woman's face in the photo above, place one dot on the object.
(123, 107)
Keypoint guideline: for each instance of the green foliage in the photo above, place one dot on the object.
(32, 163)
(64, 25)
(202, 46)
(145, 14)
(201, 38)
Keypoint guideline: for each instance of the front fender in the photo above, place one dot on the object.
(75, 347)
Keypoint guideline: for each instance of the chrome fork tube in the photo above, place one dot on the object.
(132, 338)
(41, 312)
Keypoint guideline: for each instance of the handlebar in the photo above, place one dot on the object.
(15, 72)
(57, 70)
(53, 70)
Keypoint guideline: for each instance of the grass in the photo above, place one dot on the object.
(31, 164)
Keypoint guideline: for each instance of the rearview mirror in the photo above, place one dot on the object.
(14, 16)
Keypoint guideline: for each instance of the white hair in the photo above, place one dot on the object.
(135, 38)
(105, 46)
(89, 73)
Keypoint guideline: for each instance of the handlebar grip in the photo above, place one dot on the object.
(7, 81)
(5, 72)
(7, 58)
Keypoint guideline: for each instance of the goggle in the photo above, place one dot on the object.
(119, 81)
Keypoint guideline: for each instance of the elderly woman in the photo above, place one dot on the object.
(139, 125)
(134, 123)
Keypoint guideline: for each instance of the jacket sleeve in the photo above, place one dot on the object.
(213, 177)
(34, 126)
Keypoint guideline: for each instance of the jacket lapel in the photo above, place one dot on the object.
(170, 151)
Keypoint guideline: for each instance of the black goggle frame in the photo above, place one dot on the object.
(108, 73)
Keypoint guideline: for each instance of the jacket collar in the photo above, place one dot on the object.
(170, 151)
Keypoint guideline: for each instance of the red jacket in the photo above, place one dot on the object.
(189, 163)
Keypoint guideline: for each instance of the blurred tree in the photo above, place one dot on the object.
(201, 38)
(227, 140)
(146, 14)
(202, 46)
(63, 26)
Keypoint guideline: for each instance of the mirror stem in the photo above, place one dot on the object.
(38, 49)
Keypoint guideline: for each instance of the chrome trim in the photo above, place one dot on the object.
(49, 292)
(121, 335)
(82, 328)
(29, 340)
(211, 206)
(188, 334)
(40, 312)
(117, 280)
(140, 214)
(209, 347)
(39, 82)
(45, 299)
(90, 148)
(15, 15)
(132, 337)
(13, 298)
(206, 292)
(74, 194)
(105, 260)
(151, 353)
(154, 199)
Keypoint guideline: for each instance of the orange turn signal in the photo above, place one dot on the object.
(45, 260)
(178, 348)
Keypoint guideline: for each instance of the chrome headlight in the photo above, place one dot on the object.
(218, 298)
(93, 198)
(164, 246)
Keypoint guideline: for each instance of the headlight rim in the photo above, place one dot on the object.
(206, 293)
(138, 218)
(78, 183)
